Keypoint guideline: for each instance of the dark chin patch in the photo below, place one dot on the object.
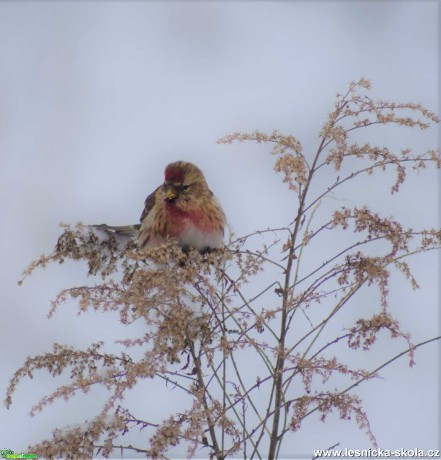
(174, 174)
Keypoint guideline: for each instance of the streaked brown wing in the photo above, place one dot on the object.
(148, 204)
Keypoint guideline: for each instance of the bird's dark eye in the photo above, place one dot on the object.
(185, 187)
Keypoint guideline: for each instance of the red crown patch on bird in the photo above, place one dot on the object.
(174, 174)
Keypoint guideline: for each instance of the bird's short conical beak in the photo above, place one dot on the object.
(171, 193)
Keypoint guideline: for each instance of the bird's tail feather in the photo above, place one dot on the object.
(130, 231)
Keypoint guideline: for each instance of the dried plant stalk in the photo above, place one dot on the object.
(205, 315)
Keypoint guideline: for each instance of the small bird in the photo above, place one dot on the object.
(183, 208)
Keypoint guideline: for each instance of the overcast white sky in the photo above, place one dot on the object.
(97, 97)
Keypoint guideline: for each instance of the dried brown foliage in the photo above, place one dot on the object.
(205, 315)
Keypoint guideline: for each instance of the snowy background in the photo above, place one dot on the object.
(97, 97)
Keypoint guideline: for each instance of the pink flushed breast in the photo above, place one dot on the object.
(194, 228)
(180, 219)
